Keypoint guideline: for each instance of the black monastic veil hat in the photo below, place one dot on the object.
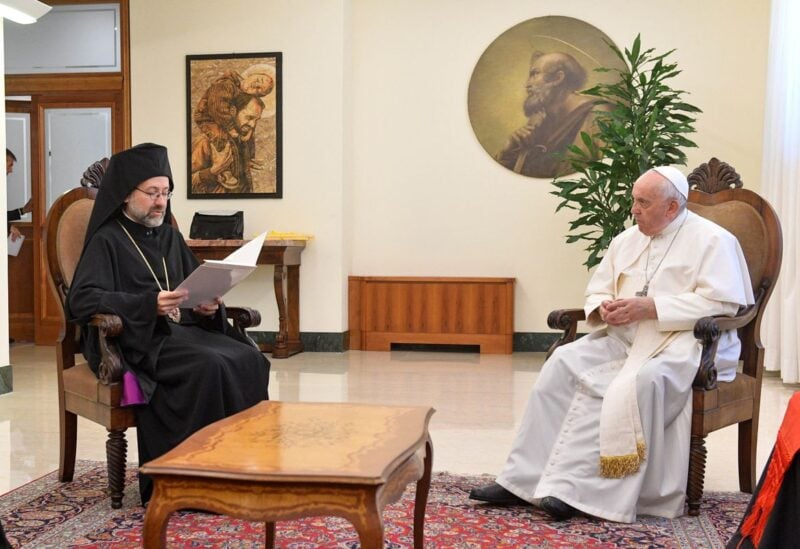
(125, 171)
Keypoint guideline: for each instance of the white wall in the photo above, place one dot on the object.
(428, 198)
(310, 35)
(380, 161)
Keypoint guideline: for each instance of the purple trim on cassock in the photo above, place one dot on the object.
(131, 392)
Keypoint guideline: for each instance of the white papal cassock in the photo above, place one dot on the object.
(556, 452)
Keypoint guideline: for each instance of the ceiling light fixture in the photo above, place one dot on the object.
(23, 11)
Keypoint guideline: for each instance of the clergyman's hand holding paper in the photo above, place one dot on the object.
(215, 278)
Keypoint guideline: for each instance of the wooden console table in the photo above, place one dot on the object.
(280, 461)
(285, 255)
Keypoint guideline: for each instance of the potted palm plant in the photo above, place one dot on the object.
(645, 124)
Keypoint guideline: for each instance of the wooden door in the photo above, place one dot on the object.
(47, 317)
(72, 90)
(20, 267)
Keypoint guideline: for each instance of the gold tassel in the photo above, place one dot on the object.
(622, 466)
(618, 466)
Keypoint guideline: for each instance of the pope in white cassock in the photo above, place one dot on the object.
(607, 426)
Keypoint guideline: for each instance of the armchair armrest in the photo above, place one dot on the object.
(244, 317)
(566, 320)
(708, 331)
(108, 327)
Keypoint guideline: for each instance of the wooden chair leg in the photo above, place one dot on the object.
(747, 456)
(697, 471)
(67, 448)
(421, 501)
(116, 455)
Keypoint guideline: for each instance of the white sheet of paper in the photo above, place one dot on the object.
(247, 254)
(215, 278)
(15, 246)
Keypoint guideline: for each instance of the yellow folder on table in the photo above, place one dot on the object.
(277, 235)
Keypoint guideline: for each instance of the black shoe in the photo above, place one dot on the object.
(557, 508)
(494, 493)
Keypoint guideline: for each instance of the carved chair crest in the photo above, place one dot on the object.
(714, 176)
(94, 174)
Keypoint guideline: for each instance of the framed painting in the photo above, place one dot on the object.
(233, 125)
(525, 100)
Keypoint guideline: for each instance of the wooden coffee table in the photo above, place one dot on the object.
(280, 461)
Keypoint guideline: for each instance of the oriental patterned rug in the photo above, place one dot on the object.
(47, 513)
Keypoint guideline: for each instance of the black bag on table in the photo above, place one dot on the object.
(217, 226)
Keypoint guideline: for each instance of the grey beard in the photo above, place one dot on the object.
(144, 219)
(538, 99)
(153, 223)
(150, 223)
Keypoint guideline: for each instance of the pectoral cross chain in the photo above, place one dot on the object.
(647, 279)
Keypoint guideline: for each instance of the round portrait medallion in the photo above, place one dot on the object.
(525, 102)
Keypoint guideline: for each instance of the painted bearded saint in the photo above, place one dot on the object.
(557, 114)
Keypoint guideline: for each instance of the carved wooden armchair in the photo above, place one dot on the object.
(80, 392)
(717, 194)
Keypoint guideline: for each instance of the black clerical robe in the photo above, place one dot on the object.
(192, 373)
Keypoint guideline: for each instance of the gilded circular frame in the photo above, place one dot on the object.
(499, 88)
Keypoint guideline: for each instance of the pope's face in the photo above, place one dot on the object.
(651, 209)
(9, 164)
(143, 209)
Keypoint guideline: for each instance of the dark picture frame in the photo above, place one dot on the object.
(233, 125)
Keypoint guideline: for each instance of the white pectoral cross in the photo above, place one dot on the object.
(643, 292)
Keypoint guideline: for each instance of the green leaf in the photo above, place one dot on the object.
(647, 123)
(637, 43)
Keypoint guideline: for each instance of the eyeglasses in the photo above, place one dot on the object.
(155, 195)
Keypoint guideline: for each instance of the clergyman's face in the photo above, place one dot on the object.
(9, 164)
(651, 209)
(143, 209)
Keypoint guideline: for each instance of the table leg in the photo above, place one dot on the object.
(287, 294)
(293, 309)
(421, 501)
(369, 526)
(154, 533)
(270, 535)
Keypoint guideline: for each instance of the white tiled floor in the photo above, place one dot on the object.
(478, 401)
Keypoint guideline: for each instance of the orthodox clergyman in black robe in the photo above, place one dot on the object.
(184, 368)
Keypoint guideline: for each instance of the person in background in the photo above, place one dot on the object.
(16, 213)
